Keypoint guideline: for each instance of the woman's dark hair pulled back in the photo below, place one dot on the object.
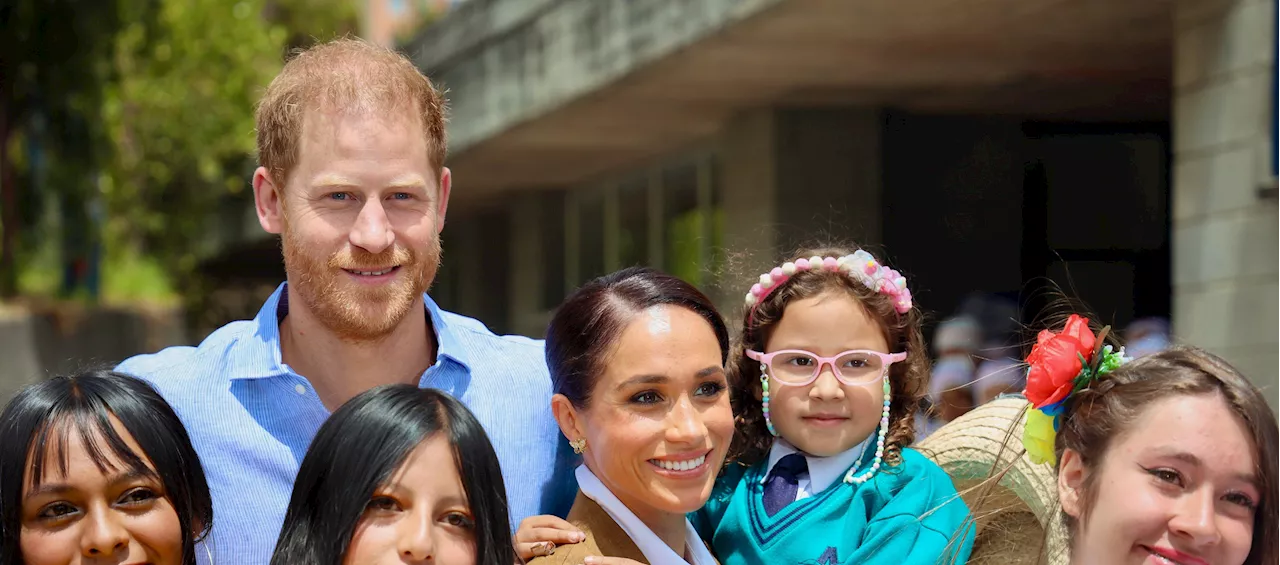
(590, 321)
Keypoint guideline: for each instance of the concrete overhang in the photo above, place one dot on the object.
(556, 92)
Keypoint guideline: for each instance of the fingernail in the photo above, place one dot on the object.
(590, 560)
(580, 536)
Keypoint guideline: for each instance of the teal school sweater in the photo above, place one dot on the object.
(907, 514)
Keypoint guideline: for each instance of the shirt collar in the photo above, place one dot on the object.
(823, 471)
(653, 548)
(263, 358)
(449, 344)
(261, 350)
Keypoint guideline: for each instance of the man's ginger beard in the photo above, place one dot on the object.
(352, 311)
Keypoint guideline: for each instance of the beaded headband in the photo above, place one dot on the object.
(862, 266)
(1060, 365)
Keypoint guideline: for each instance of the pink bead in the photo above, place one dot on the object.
(802, 264)
(829, 263)
(755, 289)
(777, 274)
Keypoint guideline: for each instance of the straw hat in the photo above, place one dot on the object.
(1010, 514)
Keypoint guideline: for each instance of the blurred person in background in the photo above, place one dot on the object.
(1000, 372)
(999, 367)
(955, 343)
(1146, 336)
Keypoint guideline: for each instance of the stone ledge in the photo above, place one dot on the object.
(1226, 246)
(1228, 315)
(21, 365)
(1213, 182)
(506, 61)
(1226, 110)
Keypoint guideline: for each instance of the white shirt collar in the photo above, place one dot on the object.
(653, 548)
(823, 471)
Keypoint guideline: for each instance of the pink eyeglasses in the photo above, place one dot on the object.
(797, 367)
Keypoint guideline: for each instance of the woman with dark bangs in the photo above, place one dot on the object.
(398, 475)
(109, 474)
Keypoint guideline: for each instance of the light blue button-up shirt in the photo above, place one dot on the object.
(251, 418)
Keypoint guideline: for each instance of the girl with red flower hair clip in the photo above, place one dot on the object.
(1171, 458)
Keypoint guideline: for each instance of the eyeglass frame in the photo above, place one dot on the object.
(887, 359)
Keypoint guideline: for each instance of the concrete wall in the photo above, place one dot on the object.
(36, 345)
(507, 61)
(829, 175)
(19, 363)
(1224, 226)
(796, 177)
(789, 177)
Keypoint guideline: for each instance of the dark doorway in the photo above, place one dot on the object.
(1096, 219)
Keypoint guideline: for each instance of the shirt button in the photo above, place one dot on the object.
(300, 389)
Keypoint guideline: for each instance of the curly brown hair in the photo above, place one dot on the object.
(908, 380)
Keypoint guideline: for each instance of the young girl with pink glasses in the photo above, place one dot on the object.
(828, 372)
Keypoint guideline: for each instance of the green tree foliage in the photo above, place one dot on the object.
(180, 118)
(148, 106)
(52, 72)
(181, 114)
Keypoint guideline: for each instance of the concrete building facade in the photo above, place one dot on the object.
(1224, 181)
(1120, 151)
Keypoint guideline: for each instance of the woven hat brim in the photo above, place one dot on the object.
(984, 444)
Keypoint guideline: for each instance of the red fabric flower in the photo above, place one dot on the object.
(1055, 361)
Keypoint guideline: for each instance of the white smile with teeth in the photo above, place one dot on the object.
(374, 273)
(1164, 559)
(680, 465)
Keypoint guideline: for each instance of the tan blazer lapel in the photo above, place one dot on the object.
(610, 538)
(604, 537)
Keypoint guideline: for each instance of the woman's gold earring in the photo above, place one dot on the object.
(579, 445)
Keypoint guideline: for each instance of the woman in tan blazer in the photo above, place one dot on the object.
(637, 361)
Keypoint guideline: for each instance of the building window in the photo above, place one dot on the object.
(554, 230)
(591, 233)
(683, 253)
(633, 222)
(667, 216)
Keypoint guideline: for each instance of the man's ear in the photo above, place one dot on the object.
(1071, 475)
(267, 199)
(442, 204)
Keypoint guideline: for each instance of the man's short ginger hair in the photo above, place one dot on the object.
(347, 75)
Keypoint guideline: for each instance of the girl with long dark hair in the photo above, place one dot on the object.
(398, 473)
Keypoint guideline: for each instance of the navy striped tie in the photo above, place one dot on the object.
(784, 481)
